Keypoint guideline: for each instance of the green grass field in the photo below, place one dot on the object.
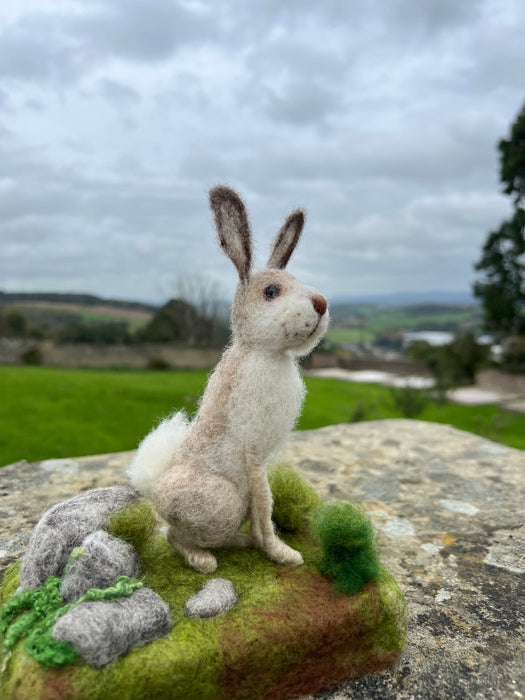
(349, 335)
(402, 319)
(132, 322)
(47, 412)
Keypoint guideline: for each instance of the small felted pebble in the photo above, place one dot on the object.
(100, 560)
(63, 527)
(104, 630)
(216, 596)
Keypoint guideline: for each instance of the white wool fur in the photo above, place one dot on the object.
(156, 452)
(209, 478)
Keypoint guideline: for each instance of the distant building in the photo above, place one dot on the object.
(435, 338)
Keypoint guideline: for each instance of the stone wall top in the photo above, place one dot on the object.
(448, 508)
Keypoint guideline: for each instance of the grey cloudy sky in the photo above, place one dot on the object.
(380, 117)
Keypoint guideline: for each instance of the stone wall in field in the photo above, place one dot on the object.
(139, 356)
(501, 382)
(402, 366)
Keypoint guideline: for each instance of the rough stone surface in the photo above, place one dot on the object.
(102, 560)
(29, 489)
(449, 510)
(216, 596)
(63, 527)
(104, 630)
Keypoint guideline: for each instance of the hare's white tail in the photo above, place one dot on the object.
(155, 453)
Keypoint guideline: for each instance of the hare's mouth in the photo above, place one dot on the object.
(315, 327)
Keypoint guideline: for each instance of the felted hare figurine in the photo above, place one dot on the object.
(209, 477)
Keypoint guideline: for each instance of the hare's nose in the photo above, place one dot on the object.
(320, 304)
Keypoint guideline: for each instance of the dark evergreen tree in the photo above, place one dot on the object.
(512, 159)
(501, 288)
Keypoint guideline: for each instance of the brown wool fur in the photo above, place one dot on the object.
(208, 477)
(307, 617)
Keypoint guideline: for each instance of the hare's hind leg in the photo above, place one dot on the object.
(240, 539)
(204, 510)
(199, 559)
(202, 560)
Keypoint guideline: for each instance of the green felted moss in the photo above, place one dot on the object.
(189, 662)
(387, 619)
(348, 543)
(30, 615)
(135, 524)
(290, 634)
(293, 499)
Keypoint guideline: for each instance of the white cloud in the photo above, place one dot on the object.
(380, 118)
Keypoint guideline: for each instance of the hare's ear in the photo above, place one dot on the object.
(286, 240)
(233, 228)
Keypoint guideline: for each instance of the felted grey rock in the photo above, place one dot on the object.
(104, 630)
(63, 527)
(102, 560)
(216, 596)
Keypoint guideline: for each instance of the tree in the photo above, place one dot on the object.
(502, 290)
(16, 322)
(467, 357)
(12, 323)
(453, 364)
(181, 322)
(105, 333)
(512, 158)
(176, 321)
(204, 295)
(502, 264)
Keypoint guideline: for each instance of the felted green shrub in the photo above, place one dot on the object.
(294, 500)
(135, 524)
(348, 543)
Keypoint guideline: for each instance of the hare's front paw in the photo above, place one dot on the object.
(281, 553)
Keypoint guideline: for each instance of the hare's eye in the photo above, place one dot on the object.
(272, 291)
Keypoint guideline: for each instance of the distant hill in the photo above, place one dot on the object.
(73, 299)
(407, 298)
(384, 323)
(51, 314)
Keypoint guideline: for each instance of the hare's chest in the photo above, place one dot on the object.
(286, 396)
(270, 398)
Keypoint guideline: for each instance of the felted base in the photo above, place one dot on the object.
(290, 634)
